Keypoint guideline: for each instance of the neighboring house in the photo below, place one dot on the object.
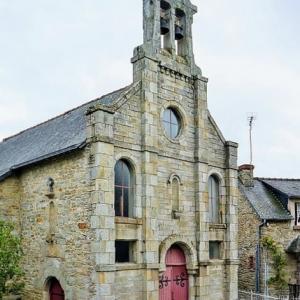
(133, 195)
(267, 207)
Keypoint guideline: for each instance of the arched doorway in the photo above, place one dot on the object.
(56, 292)
(174, 283)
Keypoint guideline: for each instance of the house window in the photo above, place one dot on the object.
(213, 195)
(123, 190)
(297, 213)
(124, 251)
(171, 122)
(214, 250)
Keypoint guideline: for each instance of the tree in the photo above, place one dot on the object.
(10, 256)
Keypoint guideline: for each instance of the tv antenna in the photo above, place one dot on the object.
(251, 119)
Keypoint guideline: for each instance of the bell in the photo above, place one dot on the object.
(164, 26)
(178, 33)
(165, 5)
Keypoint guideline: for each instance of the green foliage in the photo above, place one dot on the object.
(10, 256)
(279, 262)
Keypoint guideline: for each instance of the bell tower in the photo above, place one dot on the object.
(168, 32)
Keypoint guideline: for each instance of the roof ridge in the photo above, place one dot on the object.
(62, 114)
(277, 179)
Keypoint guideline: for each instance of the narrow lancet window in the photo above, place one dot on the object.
(175, 194)
(214, 201)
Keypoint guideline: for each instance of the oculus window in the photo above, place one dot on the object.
(171, 122)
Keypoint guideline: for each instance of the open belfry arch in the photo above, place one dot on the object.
(131, 201)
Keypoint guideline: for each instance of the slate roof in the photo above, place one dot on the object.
(289, 187)
(56, 136)
(264, 202)
(294, 246)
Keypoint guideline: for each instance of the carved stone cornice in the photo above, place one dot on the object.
(175, 74)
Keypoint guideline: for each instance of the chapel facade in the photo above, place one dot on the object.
(133, 195)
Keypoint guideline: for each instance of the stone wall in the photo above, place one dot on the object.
(10, 201)
(248, 235)
(64, 253)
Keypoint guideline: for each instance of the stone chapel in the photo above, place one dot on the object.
(133, 195)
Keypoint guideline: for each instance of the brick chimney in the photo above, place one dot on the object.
(246, 174)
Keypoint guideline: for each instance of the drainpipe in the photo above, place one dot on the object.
(257, 265)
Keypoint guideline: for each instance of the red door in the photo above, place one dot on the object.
(56, 291)
(174, 283)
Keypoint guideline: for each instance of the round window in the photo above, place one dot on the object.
(171, 122)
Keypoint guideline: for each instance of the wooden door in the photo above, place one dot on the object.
(174, 284)
(56, 292)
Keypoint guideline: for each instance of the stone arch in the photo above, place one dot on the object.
(46, 290)
(134, 164)
(185, 244)
(52, 269)
(218, 175)
(174, 176)
(128, 158)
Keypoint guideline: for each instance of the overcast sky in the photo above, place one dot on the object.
(57, 54)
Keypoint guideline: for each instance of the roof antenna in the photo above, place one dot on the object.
(251, 119)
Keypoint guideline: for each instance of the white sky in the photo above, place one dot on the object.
(55, 55)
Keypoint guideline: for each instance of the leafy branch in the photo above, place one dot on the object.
(279, 262)
(10, 256)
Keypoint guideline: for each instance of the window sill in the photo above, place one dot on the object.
(296, 227)
(128, 266)
(118, 267)
(216, 262)
(217, 226)
(132, 221)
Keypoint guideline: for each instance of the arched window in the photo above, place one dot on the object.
(214, 195)
(175, 194)
(123, 190)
